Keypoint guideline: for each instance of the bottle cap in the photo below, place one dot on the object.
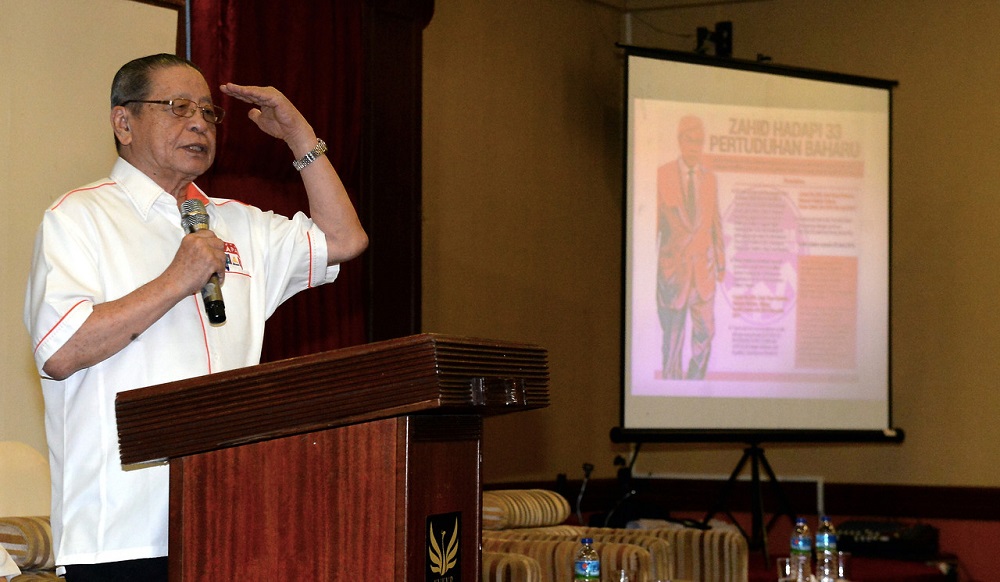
(587, 540)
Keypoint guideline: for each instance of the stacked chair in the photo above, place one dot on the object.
(25, 542)
(530, 523)
(525, 536)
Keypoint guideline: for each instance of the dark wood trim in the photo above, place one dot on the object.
(332, 388)
(177, 4)
(417, 11)
(391, 172)
(181, 7)
(182, 31)
(900, 502)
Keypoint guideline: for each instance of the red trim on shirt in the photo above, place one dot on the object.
(41, 341)
(193, 193)
(310, 283)
(71, 192)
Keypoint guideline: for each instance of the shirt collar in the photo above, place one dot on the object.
(143, 191)
(194, 192)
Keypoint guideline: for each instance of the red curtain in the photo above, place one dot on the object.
(313, 53)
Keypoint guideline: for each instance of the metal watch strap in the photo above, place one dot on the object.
(310, 157)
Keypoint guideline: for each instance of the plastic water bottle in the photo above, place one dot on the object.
(588, 564)
(801, 550)
(826, 536)
(826, 550)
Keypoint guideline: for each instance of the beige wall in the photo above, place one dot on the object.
(522, 211)
(522, 206)
(57, 58)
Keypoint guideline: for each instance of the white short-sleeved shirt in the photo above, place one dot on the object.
(99, 243)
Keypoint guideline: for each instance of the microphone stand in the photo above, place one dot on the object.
(625, 482)
(587, 469)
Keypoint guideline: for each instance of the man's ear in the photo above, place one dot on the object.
(120, 118)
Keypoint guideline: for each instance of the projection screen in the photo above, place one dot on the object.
(756, 252)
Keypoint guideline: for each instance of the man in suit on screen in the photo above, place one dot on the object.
(691, 255)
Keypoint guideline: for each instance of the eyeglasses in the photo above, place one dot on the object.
(186, 108)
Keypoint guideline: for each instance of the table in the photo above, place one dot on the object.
(872, 570)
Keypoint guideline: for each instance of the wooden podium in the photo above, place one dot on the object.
(354, 464)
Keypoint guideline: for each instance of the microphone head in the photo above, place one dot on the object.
(193, 215)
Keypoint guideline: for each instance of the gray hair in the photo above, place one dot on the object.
(132, 81)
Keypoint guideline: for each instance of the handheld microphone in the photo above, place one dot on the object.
(195, 218)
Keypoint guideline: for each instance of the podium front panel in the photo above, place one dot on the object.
(361, 502)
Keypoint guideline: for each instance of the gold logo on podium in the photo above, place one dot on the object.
(443, 542)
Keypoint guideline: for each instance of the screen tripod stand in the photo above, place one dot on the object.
(758, 532)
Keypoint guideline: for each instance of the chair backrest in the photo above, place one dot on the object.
(715, 555)
(658, 548)
(25, 484)
(509, 567)
(556, 557)
(512, 508)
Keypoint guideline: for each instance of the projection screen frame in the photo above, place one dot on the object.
(620, 434)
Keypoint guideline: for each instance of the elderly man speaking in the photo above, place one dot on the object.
(114, 296)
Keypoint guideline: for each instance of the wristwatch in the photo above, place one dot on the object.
(311, 156)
